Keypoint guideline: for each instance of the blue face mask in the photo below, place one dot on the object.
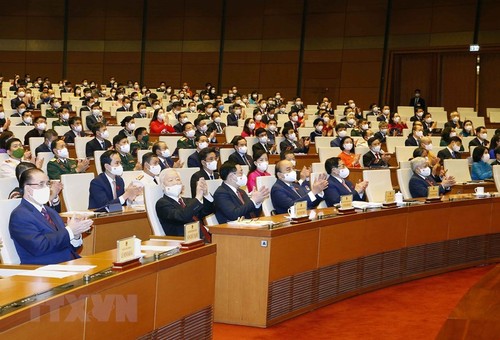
(221, 107)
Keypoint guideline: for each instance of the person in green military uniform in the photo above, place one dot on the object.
(61, 164)
(141, 141)
(122, 145)
(187, 141)
(63, 118)
(55, 105)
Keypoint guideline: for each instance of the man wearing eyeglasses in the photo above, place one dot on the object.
(39, 234)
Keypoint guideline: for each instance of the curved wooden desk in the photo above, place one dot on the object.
(167, 298)
(267, 276)
(477, 315)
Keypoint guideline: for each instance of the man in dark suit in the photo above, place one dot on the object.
(38, 232)
(142, 111)
(263, 143)
(240, 156)
(127, 106)
(38, 131)
(287, 191)
(194, 160)
(417, 101)
(231, 202)
(14, 103)
(452, 150)
(292, 123)
(108, 187)
(341, 132)
(49, 136)
(481, 137)
(414, 138)
(100, 141)
(164, 154)
(174, 211)
(339, 185)
(234, 115)
(375, 158)
(381, 134)
(208, 158)
(217, 125)
(75, 123)
(95, 117)
(291, 143)
(422, 179)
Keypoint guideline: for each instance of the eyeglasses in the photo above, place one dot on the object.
(40, 185)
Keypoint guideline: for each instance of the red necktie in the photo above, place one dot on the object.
(204, 231)
(240, 196)
(46, 215)
(346, 186)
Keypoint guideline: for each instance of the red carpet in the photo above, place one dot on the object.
(413, 310)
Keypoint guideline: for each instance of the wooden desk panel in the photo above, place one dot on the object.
(426, 225)
(469, 188)
(469, 218)
(341, 242)
(385, 233)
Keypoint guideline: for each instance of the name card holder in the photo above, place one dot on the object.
(192, 239)
(346, 205)
(433, 195)
(128, 253)
(390, 199)
(300, 209)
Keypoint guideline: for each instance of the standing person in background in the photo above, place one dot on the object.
(417, 101)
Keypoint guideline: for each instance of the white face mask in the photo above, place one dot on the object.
(174, 190)
(105, 134)
(342, 133)
(384, 131)
(455, 148)
(143, 111)
(397, 119)
(117, 170)
(161, 117)
(262, 166)
(65, 116)
(184, 120)
(319, 128)
(292, 137)
(264, 105)
(241, 181)
(290, 176)
(165, 153)
(419, 133)
(428, 147)
(420, 113)
(131, 127)
(386, 112)
(203, 128)
(484, 136)
(301, 114)
(21, 111)
(57, 105)
(96, 112)
(41, 126)
(486, 157)
(326, 119)
(364, 126)
(263, 140)
(344, 173)
(272, 128)
(453, 134)
(351, 121)
(468, 128)
(41, 196)
(63, 153)
(426, 172)
(295, 118)
(243, 150)
(237, 112)
(455, 119)
(190, 133)
(212, 166)
(217, 119)
(251, 126)
(258, 117)
(125, 148)
(155, 169)
(2, 115)
(348, 146)
(352, 105)
(376, 148)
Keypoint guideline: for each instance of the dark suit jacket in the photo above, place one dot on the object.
(232, 120)
(101, 193)
(138, 115)
(178, 127)
(336, 189)
(173, 216)
(290, 125)
(32, 133)
(94, 145)
(91, 120)
(69, 137)
(369, 161)
(284, 197)
(36, 241)
(287, 145)
(84, 108)
(42, 148)
(335, 142)
(258, 146)
(169, 161)
(446, 154)
(196, 176)
(380, 136)
(418, 102)
(476, 142)
(123, 109)
(418, 186)
(235, 157)
(228, 206)
(193, 160)
(411, 141)
(213, 127)
(14, 103)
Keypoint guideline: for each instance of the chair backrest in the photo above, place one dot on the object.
(80, 144)
(129, 176)
(225, 153)
(35, 142)
(268, 182)
(184, 155)
(61, 129)
(7, 184)
(186, 174)
(250, 142)
(113, 131)
(392, 142)
(496, 176)
(404, 153)
(171, 142)
(76, 191)
(458, 168)
(379, 181)
(152, 193)
(232, 131)
(97, 160)
(213, 184)
(318, 167)
(8, 250)
(322, 142)
(20, 131)
(329, 152)
(405, 165)
(404, 176)
(47, 156)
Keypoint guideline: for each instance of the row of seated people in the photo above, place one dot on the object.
(41, 237)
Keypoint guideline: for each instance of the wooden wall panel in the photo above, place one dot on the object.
(458, 80)
(488, 80)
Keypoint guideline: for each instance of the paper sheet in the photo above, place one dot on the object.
(67, 267)
(46, 273)
(157, 248)
(11, 272)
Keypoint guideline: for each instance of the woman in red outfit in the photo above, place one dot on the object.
(159, 123)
